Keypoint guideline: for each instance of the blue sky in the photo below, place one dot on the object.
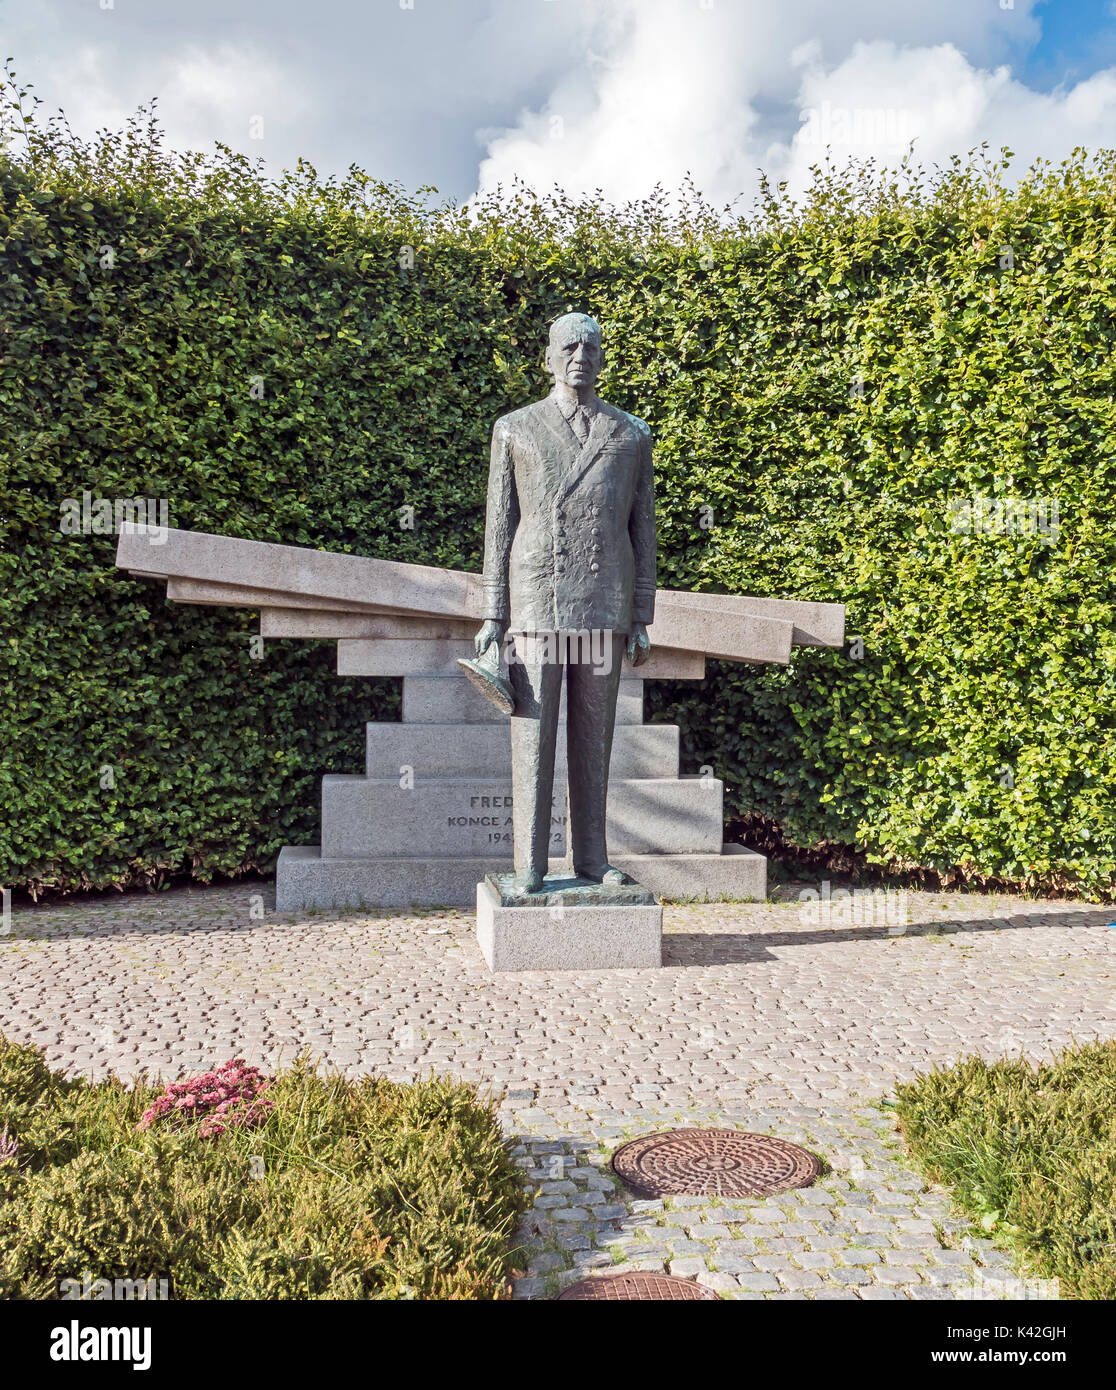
(1078, 38)
(610, 94)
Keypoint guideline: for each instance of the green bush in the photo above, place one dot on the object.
(824, 383)
(1030, 1154)
(347, 1190)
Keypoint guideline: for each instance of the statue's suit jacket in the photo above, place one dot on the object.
(570, 535)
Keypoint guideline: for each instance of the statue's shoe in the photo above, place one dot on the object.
(530, 881)
(607, 875)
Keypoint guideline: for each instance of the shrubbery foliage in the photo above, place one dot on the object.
(367, 1189)
(1028, 1153)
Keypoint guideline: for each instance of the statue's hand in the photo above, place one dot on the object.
(639, 644)
(492, 631)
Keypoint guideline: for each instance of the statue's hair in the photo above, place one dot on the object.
(578, 321)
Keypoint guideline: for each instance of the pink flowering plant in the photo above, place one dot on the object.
(232, 1097)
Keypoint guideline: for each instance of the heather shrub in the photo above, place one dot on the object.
(341, 1189)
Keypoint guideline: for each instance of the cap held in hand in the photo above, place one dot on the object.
(484, 672)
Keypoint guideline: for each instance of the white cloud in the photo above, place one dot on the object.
(203, 95)
(883, 96)
(671, 89)
(620, 94)
(650, 102)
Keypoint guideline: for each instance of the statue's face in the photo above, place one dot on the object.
(575, 358)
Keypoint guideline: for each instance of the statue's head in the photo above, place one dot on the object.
(573, 355)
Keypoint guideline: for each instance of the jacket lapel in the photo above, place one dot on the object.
(559, 427)
(604, 426)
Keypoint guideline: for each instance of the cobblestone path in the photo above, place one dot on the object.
(761, 1019)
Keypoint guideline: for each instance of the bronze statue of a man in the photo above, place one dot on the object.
(570, 556)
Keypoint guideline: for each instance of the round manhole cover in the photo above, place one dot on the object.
(713, 1163)
(638, 1284)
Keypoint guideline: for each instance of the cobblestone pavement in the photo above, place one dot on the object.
(761, 1019)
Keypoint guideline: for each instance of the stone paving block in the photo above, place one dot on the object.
(872, 1224)
(732, 1264)
(574, 1240)
(817, 1259)
(898, 1258)
(885, 1274)
(618, 1240)
(587, 1260)
(853, 1256)
(799, 1279)
(646, 1250)
(826, 1242)
(737, 1247)
(768, 1263)
(783, 1245)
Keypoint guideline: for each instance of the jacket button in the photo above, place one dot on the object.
(594, 567)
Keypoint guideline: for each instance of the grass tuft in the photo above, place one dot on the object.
(1030, 1153)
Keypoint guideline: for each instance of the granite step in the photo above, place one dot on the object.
(484, 750)
(307, 882)
(471, 816)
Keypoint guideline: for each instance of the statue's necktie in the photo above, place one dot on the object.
(580, 422)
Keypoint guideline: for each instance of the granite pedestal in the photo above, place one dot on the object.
(569, 925)
(432, 813)
(394, 619)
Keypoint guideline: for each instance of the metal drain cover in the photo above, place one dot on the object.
(713, 1163)
(639, 1284)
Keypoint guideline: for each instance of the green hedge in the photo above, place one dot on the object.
(828, 380)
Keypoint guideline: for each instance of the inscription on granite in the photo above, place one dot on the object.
(494, 813)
